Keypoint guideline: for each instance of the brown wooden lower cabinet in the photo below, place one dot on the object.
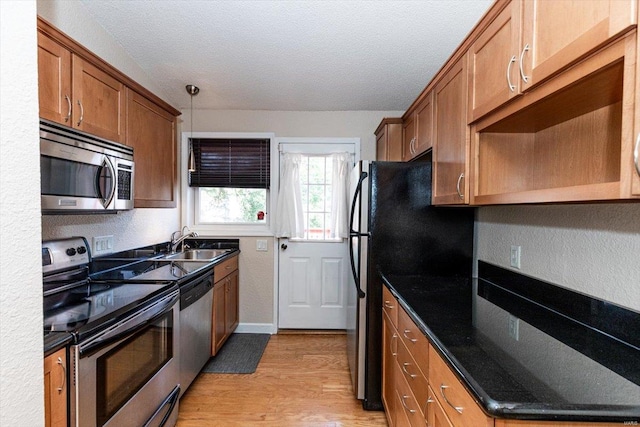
(225, 316)
(55, 389)
(419, 388)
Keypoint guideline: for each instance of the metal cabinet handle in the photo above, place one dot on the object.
(405, 332)
(81, 112)
(636, 154)
(512, 87)
(404, 396)
(457, 408)
(458, 185)
(388, 305)
(64, 375)
(404, 369)
(394, 337)
(66, 119)
(524, 77)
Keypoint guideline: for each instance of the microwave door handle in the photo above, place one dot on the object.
(105, 182)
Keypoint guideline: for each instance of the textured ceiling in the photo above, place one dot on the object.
(290, 55)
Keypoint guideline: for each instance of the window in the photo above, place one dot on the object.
(232, 179)
(315, 182)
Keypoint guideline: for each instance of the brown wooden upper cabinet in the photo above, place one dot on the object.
(418, 129)
(80, 90)
(151, 131)
(532, 40)
(389, 140)
(75, 93)
(451, 146)
(635, 169)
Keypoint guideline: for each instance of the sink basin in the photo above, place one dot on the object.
(198, 254)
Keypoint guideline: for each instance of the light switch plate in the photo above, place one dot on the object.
(102, 245)
(261, 245)
(516, 251)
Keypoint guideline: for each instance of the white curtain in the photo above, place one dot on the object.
(290, 218)
(339, 209)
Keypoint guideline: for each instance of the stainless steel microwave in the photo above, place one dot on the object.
(81, 173)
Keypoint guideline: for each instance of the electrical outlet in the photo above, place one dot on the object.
(515, 256)
(261, 245)
(514, 327)
(102, 245)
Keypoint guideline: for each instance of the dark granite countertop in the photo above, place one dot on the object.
(568, 372)
(54, 341)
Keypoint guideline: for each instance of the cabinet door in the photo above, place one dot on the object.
(435, 414)
(389, 352)
(635, 170)
(450, 158)
(55, 389)
(408, 137)
(98, 101)
(231, 303)
(54, 81)
(151, 131)
(219, 317)
(493, 63)
(424, 126)
(381, 145)
(556, 33)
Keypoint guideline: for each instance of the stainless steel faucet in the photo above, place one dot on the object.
(176, 241)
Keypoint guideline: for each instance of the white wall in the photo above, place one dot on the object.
(257, 268)
(593, 249)
(139, 227)
(21, 377)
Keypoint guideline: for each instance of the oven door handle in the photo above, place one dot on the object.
(171, 400)
(130, 324)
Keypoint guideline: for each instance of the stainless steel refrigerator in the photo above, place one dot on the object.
(394, 230)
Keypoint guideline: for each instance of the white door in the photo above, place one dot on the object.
(313, 271)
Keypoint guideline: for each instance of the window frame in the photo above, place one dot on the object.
(190, 202)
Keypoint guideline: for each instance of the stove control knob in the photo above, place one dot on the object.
(82, 250)
(71, 251)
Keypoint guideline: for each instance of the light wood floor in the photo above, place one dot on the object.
(302, 380)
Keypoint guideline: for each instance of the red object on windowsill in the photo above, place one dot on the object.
(260, 216)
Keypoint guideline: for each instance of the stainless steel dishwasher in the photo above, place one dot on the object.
(196, 305)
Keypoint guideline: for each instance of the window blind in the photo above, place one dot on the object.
(233, 163)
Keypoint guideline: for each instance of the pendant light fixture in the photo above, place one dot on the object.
(192, 90)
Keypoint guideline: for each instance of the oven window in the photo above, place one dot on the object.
(126, 368)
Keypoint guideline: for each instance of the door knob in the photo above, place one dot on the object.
(283, 246)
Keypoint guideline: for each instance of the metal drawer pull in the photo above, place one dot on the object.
(388, 305)
(457, 408)
(66, 119)
(404, 396)
(393, 339)
(64, 375)
(636, 154)
(458, 185)
(524, 78)
(404, 368)
(512, 87)
(81, 112)
(405, 332)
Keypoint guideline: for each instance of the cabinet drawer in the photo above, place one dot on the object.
(414, 375)
(390, 306)
(222, 270)
(408, 404)
(451, 394)
(414, 339)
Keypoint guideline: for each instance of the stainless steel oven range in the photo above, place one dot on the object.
(124, 364)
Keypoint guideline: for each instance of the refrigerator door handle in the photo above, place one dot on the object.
(353, 233)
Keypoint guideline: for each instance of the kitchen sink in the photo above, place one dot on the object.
(198, 254)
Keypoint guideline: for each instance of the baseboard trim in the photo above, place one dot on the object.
(256, 328)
